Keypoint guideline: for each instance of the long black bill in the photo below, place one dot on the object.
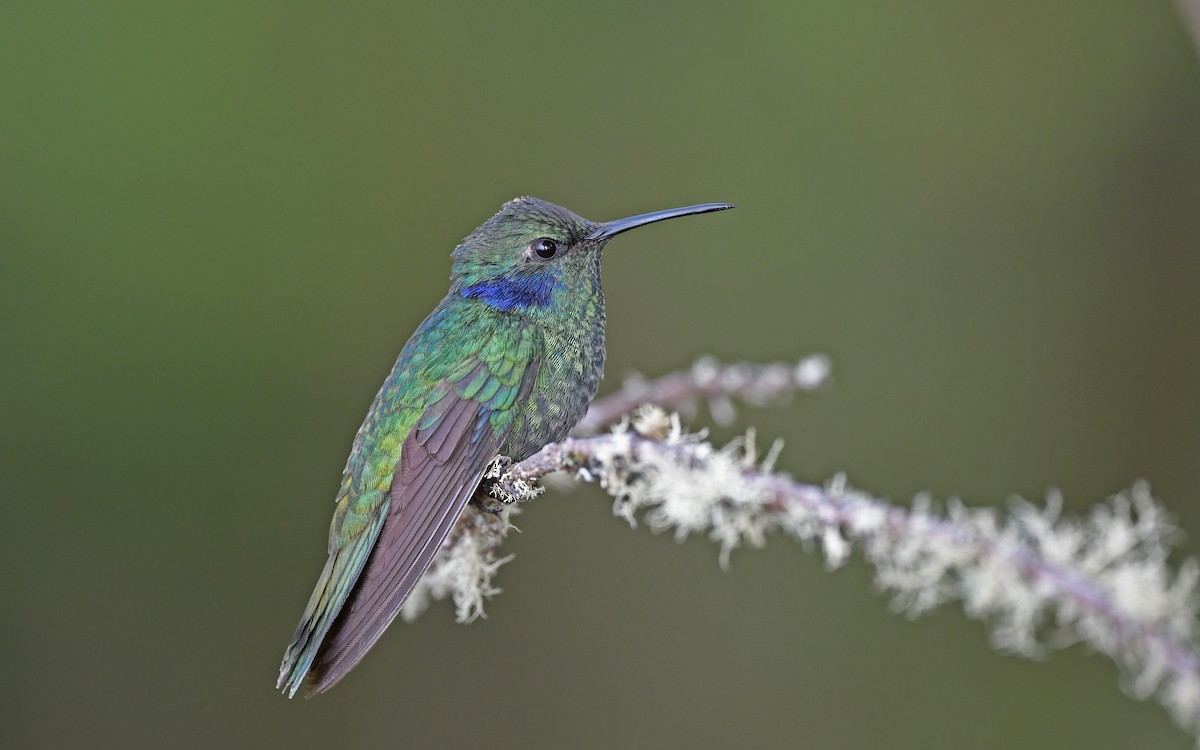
(613, 228)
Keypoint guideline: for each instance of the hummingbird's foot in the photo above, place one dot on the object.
(486, 497)
(496, 468)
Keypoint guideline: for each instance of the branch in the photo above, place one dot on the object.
(1038, 580)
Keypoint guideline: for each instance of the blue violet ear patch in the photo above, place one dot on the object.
(513, 293)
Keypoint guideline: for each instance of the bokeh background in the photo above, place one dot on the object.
(220, 221)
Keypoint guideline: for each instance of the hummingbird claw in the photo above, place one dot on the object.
(496, 468)
(486, 498)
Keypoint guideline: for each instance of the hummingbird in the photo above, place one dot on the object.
(507, 362)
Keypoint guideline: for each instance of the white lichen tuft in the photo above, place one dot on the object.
(464, 567)
(813, 371)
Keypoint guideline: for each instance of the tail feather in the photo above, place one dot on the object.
(341, 571)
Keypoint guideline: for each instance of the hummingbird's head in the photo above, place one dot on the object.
(533, 252)
(520, 256)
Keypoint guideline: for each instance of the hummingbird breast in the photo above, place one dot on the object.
(568, 377)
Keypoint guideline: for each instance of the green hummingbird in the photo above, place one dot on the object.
(507, 362)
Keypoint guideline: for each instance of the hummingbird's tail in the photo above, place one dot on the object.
(333, 588)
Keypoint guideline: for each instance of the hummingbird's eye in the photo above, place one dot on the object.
(544, 247)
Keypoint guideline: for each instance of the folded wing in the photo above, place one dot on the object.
(439, 469)
(376, 559)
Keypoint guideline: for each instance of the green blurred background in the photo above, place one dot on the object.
(220, 221)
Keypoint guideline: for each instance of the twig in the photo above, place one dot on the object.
(712, 381)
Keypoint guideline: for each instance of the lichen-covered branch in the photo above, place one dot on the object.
(711, 381)
(1038, 580)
